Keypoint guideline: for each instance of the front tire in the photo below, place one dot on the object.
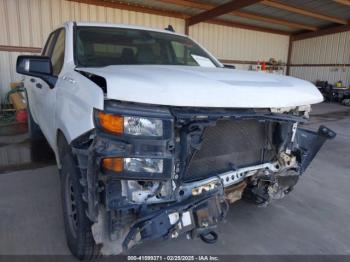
(77, 225)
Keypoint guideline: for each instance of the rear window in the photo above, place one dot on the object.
(103, 46)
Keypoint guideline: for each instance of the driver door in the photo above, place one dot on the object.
(33, 87)
(46, 95)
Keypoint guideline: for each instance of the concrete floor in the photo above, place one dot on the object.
(313, 219)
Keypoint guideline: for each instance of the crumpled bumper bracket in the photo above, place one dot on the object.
(309, 143)
(204, 213)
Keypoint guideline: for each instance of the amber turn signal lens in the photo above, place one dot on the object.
(111, 123)
(114, 164)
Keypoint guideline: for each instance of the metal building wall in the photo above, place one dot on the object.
(240, 44)
(326, 58)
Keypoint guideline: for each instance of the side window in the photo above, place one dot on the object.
(57, 56)
(48, 44)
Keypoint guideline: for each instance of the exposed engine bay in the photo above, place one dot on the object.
(161, 184)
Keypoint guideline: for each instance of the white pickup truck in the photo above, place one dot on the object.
(154, 137)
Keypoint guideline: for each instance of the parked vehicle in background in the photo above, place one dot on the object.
(155, 138)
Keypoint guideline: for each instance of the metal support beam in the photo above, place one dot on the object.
(273, 20)
(26, 49)
(303, 11)
(343, 2)
(290, 52)
(249, 27)
(321, 32)
(249, 15)
(190, 3)
(187, 28)
(220, 10)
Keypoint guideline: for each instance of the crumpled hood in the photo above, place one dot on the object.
(204, 87)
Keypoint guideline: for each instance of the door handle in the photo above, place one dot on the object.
(38, 85)
(32, 80)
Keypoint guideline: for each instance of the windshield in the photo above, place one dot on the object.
(104, 46)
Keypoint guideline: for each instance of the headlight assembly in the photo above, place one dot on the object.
(129, 125)
(135, 165)
(138, 141)
(140, 126)
(110, 123)
(148, 165)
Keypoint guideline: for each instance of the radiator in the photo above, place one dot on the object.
(232, 144)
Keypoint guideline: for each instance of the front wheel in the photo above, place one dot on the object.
(77, 225)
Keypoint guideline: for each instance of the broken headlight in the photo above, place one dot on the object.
(149, 165)
(140, 126)
(136, 165)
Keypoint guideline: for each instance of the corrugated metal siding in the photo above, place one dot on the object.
(330, 74)
(329, 49)
(28, 22)
(240, 44)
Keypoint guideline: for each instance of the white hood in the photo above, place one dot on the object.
(205, 87)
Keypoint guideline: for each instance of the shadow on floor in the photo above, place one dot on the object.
(18, 152)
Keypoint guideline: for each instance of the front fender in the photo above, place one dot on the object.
(76, 99)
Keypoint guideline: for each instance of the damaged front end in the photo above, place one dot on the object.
(157, 172)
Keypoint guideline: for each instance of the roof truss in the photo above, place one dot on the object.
(343, 2)
(220, 10)
(212, 11)
(303, 11)
(249, 15)
(321, 32)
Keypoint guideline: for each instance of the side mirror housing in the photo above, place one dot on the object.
(37, 66)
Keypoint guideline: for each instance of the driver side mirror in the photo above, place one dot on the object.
(37, 66)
